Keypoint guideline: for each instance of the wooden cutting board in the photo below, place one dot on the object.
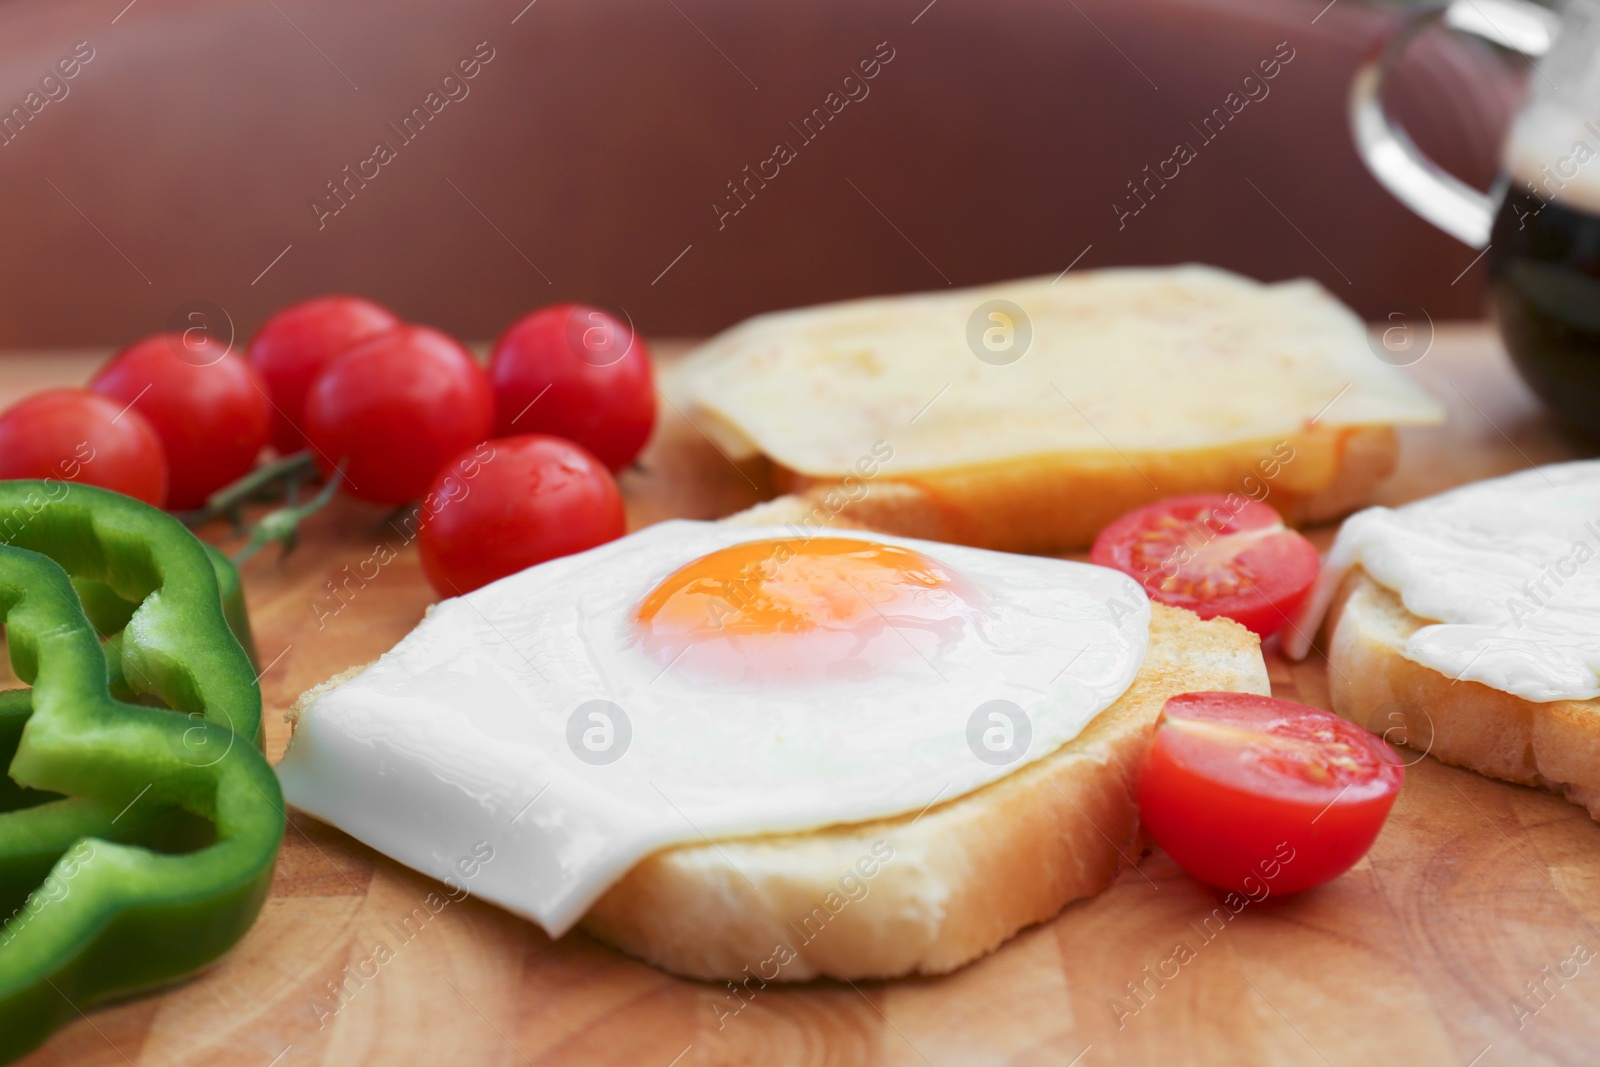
(1418, 956)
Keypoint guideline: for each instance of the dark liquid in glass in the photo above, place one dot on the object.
(1544, 290)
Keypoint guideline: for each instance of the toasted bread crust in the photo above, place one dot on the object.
(959, 878)
(1366, 456)
(1060, 503)
(1553, 745)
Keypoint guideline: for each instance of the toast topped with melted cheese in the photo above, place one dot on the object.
(1027, 415)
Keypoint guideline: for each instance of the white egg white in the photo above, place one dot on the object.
(462, 732)
(1507, 570)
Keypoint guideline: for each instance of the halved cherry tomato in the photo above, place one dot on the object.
(74, 435)
(511, 503)
(394, 409)
(1215, 555)
(1246, 791)
(293, 346)
(207, 405)
(575, 372)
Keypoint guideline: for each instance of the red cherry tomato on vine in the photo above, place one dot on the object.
(74, 435)
(394, 409)
(207, 405)
(295, 344)
(511, 503)
(1260, 795)
(1215, 555)
(575, 372)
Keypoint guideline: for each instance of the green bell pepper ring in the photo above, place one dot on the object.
(110, 613)
(26, 857)
(120, 910)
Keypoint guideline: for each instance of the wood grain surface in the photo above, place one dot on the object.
(1475, 894)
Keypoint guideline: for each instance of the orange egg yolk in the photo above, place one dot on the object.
(793, 607)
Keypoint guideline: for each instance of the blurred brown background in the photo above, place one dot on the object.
(585, 159)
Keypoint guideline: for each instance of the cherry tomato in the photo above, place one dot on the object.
(1246, 791)
(297, 342)
(74, 435)
(394, 409)
(207, 405)
(1215, 555)
(511, 503)
(579, 373)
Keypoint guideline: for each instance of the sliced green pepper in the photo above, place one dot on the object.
(110, 613)
(137, 842)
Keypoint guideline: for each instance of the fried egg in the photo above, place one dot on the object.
(1501, 568)
(696, 681)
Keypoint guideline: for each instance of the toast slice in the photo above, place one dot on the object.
(929, 892)
(1554, 745)
(1059, 503)
(1109, 389)
(924, 892)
